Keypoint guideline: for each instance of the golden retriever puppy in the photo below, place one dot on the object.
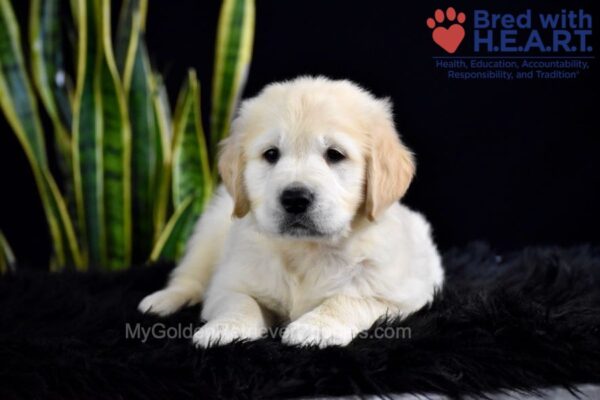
(308, 227)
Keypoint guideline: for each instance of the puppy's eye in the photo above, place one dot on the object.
(271, 155)
(334, 156)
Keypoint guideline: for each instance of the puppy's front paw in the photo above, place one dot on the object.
(307, 332)
(164, 302)
(218, 333)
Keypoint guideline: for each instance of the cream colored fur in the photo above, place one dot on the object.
(365, 255)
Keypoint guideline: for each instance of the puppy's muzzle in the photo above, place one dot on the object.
(296, 199)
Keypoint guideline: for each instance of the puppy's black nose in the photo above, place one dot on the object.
(296, 200)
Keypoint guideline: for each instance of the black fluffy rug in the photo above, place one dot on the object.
(520, 321)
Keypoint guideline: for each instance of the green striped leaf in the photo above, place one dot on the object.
(130, 29)
(162, 113)
(88, 131)
(20, 108)
(232, 60)
(190, 169)
(170, 245)
(49, 72)
(191, 176)
(50, 78)
(102, 142)
(125, 42)
(8, 262)
(146, 156)
(17, 97)
(116, 152)
(60, 221)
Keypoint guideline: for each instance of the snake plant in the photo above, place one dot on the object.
(135, 176)
(7, 257)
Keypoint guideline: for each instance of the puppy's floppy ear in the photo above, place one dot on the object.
(390, 165)
(231, 168)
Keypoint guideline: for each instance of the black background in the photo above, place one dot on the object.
(513, 163)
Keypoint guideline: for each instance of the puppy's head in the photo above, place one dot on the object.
(306, 157)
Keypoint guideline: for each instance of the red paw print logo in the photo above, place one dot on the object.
(447, 38)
